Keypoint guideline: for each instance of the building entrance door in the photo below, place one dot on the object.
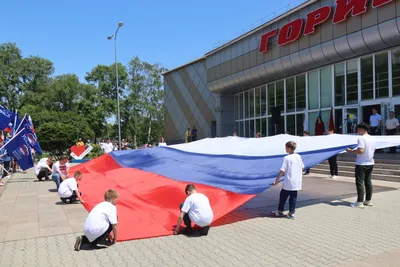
(351, 115)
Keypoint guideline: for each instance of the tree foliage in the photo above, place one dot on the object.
(64, 109)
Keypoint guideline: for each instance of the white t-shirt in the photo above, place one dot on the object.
(67, 187)
(99, 219)
(162, 144)
(41, 165)
(293, 167)
(108, 147)
(392, 123)
(199, 209)
(374, 119)
(63, 168)
(369, 144)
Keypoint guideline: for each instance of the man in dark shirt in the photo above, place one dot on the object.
(194, 133)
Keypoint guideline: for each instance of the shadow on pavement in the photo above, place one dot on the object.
(315, 191)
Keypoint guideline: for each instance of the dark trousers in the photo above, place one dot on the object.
(392, 132)
(307, 171)
(186, 219)
(6, 166)
(71, 199)
(44, 173)
(374, 131)
(103, 237)
(363, 178)
(285, 194)
(333, 165)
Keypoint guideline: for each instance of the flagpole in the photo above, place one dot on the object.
(21, 123)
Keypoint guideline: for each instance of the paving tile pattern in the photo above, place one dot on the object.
(36, 231)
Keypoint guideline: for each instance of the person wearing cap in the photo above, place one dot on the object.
(365, 150)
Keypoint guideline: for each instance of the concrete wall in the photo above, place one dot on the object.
(241, 66)
(187, 102)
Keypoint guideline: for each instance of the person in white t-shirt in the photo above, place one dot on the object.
(60, 170)
(101, 221)
(108, 147)
(292, 167)
(196, 208)
(365, 162)
(392, 128)
(43, 168)
(68, 190)
(162, 142)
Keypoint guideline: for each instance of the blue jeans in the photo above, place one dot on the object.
(285, 194)
(56, 178)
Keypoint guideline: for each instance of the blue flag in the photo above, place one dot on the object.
(18, 147)
(26, 124)
(5, 117)
(14, 123)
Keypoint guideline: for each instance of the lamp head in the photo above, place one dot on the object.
(120, 24)
(110, 37)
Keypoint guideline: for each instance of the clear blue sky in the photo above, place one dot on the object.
(72, 33)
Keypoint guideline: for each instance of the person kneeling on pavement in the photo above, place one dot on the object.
(101, 221)
(44, 168)
(68, 190)
(196, 208)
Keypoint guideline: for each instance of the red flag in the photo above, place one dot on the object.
(331, 122)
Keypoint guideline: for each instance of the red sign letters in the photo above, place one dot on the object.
(293, 30)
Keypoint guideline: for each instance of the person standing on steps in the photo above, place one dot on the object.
(375, 121)
(392, 128)
(194, 134)
(333, 162)
(365, 150)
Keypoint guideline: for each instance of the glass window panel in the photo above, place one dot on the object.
(367, 78)
(396, 72)
(352, 82)
(381, 75)
(325, 118)
(299, 124)
(290, 100)
(257, 103)
(246, 105)
(280, 97)
(271, 97)
(326, 87)
(339, 85)
(252, 133)
(258, 127)
(246, 129)
(263, 101)
(240, 104)
(236, 107)
(281, 126)
(312, 118)
(271, 127)
(313, 90)
(291, 124)
(301, 92)
(263, 127)
(251, 104)
(237, 127)
(240, 132)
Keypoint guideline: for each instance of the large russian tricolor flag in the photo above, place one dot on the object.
(229, 170)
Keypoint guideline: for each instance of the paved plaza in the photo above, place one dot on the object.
(35, 230)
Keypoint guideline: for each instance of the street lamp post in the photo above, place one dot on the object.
(114, 36)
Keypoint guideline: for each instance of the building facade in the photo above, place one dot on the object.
(339, 55)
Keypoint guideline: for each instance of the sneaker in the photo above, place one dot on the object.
(290, 216)
(359, 205)
(334, 177)
(368, 203)
(78, 243)
(330, 176)
(277, 213)
(204, 230)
